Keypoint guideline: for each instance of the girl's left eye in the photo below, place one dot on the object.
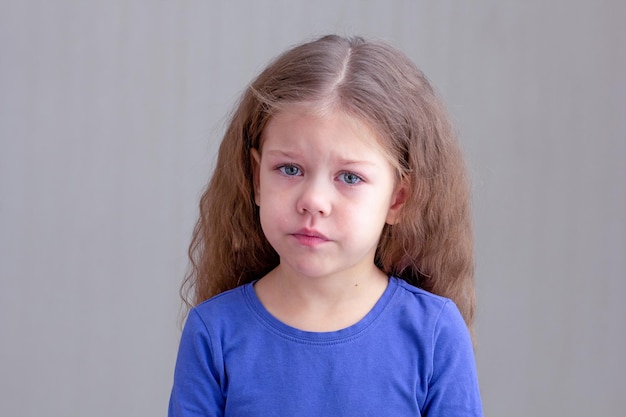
(350, 178)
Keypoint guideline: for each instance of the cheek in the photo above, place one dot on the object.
(370, 213)
(267, 224)
(272, 214)
(266, 192)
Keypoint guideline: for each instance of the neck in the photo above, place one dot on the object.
(320, 303)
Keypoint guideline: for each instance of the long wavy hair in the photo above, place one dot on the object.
(431, 246)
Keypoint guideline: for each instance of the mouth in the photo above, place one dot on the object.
(309, 237)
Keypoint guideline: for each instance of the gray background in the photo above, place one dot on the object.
(110, 114)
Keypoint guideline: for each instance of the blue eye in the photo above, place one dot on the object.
(350, 178)
(289, 170)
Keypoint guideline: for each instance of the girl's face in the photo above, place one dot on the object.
(325, 190)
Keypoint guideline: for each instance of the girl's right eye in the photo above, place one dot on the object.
(290, 170)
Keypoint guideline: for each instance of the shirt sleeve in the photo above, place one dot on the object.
(197, 389)
(453, 389)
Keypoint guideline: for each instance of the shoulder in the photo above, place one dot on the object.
(452, 380)
(224, 301)
(221, 310)
(435, 318)
(425, 304)
(407, 288)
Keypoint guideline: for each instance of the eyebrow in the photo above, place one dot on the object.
(280, 153)
(294, 155)
(355, 162)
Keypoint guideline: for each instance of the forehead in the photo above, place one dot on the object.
(302, 127)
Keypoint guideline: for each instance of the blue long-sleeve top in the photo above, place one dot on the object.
(411, 355)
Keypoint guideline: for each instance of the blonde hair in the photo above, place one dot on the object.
(431, 246)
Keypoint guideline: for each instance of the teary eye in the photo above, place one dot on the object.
(350, 178)
(289, 170)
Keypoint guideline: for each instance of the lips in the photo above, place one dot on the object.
(310, 237)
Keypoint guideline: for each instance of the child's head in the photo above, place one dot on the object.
(430, 245)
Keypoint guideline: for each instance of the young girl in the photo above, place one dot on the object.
(332, 270)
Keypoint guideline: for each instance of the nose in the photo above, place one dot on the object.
(315, 198)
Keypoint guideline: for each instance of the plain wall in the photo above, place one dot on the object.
(110, 117)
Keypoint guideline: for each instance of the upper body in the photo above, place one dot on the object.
(339, 169)
(411, 355)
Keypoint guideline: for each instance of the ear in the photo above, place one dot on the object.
(255, 162)
(397, 202)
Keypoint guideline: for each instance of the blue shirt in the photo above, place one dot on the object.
(411, 355)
